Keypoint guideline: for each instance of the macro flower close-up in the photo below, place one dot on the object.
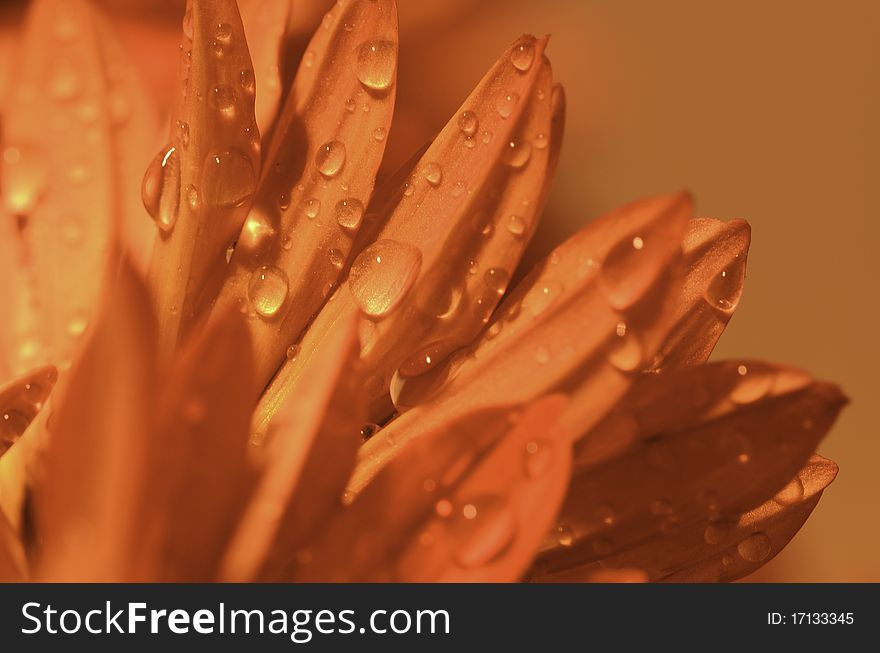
(241, 343)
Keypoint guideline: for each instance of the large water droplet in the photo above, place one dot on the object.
(382, 274)
(755, 548)
(267, 290)
(517, 153)
(725, 290)
(160, 190)
(516, 225)
(522, 56)
(23, 179)
(433, 174)
(625, 351)
(482, 531)
(505, 105)
(256, 234)
(349, 213)
(376, 63)
(621, 288)
(228, 179)
(751, 386)
(330, 158)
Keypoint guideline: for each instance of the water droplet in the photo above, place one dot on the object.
(443, 507)
(330, 158)
(160, 190)
(13, 424)
(349, 213)
(433, 174)
(625, 351)
(183, 134)
(755, 548)
(192, 196)
(792, 493)
(223, 33)
(292, 352)
(468, 123)
(506, 104)
(228, 179)
(369, 430)
(188, 24)
(517, 154)
(379, 134)
(496, 280)
(337, 258)
(538, 458)
(256, 233)
(222, 98)
(23, 179)
(459, 189)
(516, 225)
(312, 207)
(376, 64)
(621, 288)
(246, 79)
(486, 137)
(540, 141)
(382, 274)
(522, 56)
(725, 290)
(483, 532)
(267, 290)
(350, 105)
(605, 514)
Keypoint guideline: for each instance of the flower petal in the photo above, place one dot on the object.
(311, 448)
(320, 169)
(59, 179)
(197, 188)
(88, 496)
(584, 323)
(465, 504)
(730, 550)
(706, 444)
(264, 26)
(20, 401)
(12, 562)
(715, 267)
(467, 206)
(200, 478)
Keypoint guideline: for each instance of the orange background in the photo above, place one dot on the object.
(760, 108)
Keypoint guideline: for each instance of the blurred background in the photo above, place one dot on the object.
(760, 108)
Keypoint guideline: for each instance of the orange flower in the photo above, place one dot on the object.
(280, 310)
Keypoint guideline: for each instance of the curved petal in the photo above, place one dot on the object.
(311, 449)
(465, 504)
(89, 494)
(320, 169)
(706, 444)
(585, 323)
(58, 159)
(715, 254)
(198, 186)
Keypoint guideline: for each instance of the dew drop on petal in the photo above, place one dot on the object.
(516, 225)
(256, 233)
(330, 158)
(433, 174)
(312, 207)
(246, 79)
(468, 123)
(382, 274)
(517, 153)
(751, 385)
(616, 277)
(564, 535)
(755, 548)
(792, 493)
(725, 290)
(160, 190)
(292, 352)
(522, 56)
(376, 63)
(496, 280)
(538, 458)
(337, 258)
(625, 351)
(267, 290)
(379, 134)
(506, 104)
(228, 179)
(349, 213)
(222, 98)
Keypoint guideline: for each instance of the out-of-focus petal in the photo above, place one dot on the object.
(437, 255)
(100, 435)
(135, 134)
(585, 322)
(311, 448)
(198, 186)
(706, 444)
(715, 267)
(264, 26)
(320, 170)
(465, 504)
(59, 179)
(200, 477)
(20, 401)
(12, 561)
